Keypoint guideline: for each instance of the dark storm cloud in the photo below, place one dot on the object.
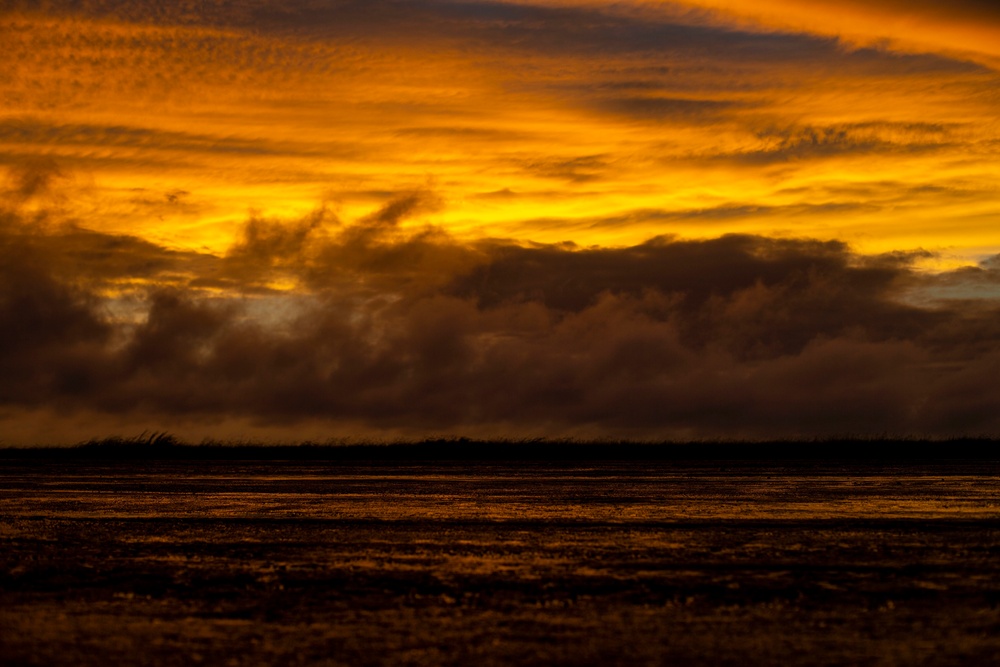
(462, 133)
(405, 327)
(576, 30)
(31, 177)
(51, 332)
(60, 254)
(32, 131)
(575, 170)
(374, 254)
(537, 28)
(102, 259)
(716, 214)
(266, 245)
(720, 216)
(669, 109)
(809, 142)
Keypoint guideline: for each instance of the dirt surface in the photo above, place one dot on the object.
(288, 563)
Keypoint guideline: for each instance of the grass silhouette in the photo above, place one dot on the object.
(161, 445)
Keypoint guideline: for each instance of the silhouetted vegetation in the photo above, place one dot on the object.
(164, 446)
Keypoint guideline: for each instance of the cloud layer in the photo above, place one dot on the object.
(395, 329)
(578, 111)
(521, 217)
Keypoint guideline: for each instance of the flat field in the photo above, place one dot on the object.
(488, 563)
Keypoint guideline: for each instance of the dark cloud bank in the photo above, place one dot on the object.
(393, 328)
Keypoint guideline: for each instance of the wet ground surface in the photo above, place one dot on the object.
(166, 563)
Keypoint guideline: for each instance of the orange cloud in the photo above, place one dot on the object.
(967, 27)
(578, 113)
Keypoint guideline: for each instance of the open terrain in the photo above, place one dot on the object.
(715, 562)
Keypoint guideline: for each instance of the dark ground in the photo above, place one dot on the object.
(649, 562)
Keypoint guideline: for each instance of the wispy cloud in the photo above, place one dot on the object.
(273, 106)
(968, 27)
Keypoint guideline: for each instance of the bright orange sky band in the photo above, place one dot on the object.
(875, 123)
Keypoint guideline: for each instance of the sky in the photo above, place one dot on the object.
(317, 219)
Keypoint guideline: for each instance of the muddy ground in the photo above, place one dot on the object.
(633, 563)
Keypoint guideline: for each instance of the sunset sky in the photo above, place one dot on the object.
(289, 219)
